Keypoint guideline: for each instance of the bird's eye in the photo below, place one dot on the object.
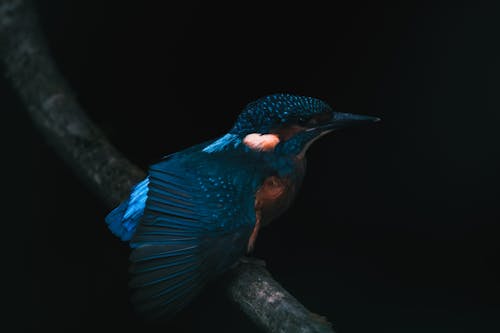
(303, 120)
(307, 121)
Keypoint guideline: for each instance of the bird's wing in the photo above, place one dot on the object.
(196, 224)
(123, 220)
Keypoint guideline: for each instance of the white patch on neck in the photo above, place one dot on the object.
(261, 142)
(222, 143)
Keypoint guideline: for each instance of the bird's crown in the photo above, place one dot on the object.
(277, 110)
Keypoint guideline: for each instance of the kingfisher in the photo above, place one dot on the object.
(200, 210)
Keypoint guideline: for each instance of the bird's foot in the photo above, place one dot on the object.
(252, 261)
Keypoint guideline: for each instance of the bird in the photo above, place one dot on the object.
(199, 210)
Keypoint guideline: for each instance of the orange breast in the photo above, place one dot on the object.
(270, 197)
(272, 188)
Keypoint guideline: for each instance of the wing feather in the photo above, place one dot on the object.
(195, 225)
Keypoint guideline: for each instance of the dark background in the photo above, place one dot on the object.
(397, 225)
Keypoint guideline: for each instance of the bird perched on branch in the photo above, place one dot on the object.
(199, 210)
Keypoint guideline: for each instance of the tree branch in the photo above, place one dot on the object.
(55, 111)
(54, 108)
(269, 305)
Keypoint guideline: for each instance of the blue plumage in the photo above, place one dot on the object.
(200, 209)
(123, 220)
(195, 225)
(277, 110)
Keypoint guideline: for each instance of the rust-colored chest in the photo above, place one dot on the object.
(273, 198)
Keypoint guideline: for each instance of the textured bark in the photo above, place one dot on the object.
(54, 108)
(56, 112)
(269, 305)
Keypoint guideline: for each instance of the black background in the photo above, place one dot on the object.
(397, 225)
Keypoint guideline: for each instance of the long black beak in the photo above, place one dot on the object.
(341, 120)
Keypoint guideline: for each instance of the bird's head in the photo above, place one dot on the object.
(289, 123)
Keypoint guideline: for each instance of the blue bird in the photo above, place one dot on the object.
(199, 210)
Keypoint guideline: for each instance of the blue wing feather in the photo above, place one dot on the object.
(123, 220)
(187, 222)
(195, 225)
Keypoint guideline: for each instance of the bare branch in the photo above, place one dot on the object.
(54, 108)
(269, 305)
(55, 111)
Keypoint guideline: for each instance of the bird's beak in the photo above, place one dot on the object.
(341, 120)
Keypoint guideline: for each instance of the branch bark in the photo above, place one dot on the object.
(56, 112)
